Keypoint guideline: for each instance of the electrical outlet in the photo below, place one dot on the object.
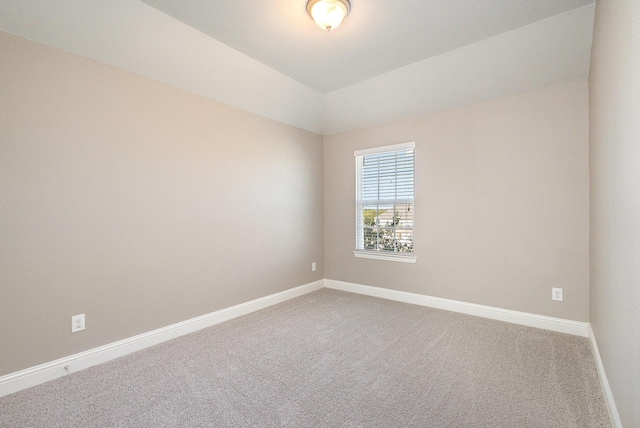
(313, 266)
(556, 294)
(77, 323)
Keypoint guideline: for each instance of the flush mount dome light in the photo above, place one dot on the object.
(328, 14)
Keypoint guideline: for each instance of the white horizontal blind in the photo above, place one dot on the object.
(385, 181)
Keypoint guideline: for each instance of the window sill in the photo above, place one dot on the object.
(389, 257)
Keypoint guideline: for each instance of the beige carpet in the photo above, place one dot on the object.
(333, 359)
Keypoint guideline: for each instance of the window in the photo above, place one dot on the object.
(384, 202)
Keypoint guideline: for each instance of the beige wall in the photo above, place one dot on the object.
(502, 203)
(615, 199)
(138, 204)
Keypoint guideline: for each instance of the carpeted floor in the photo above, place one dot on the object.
(333, 359)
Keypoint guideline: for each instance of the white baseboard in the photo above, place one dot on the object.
(33, 376)
(604, 383)
(576, 328)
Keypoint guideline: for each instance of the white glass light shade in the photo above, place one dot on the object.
(328, 14)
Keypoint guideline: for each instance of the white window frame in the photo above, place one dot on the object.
(360, 252)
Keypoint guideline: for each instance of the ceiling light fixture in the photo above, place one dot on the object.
(328, 14)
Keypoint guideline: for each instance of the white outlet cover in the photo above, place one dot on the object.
(556, 294)
(313, 266)
(77, 323)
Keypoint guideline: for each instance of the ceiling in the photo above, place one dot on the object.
(267, 57)
(378, 36)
